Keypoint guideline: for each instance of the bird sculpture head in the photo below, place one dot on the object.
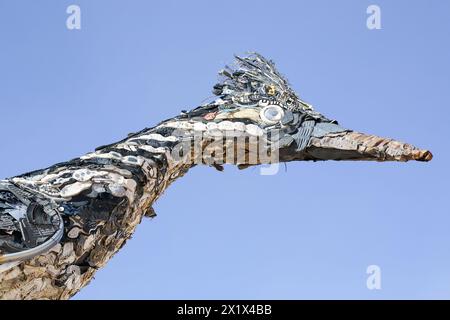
(257, 118)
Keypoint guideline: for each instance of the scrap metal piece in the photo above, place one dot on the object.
(304, 134)
(29, 224)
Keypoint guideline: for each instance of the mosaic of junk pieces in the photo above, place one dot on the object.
(42, 208)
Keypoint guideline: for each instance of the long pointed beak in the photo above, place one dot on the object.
(359, 146)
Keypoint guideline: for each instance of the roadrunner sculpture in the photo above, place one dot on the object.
(61, 224)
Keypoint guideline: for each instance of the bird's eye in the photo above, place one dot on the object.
(272, 114)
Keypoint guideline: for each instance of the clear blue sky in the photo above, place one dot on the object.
(309, 232)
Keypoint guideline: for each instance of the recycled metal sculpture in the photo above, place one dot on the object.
(61, 224)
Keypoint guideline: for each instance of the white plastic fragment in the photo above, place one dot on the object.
(117, 190)
(84, 175)
(153, 149)
(254, 130)
(212, 126)
(214, 133)
(74, 189)
(226, 125)
(178, 125)
(155, 136)
(199, 126)
(239, 126)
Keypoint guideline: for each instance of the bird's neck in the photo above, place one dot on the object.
(154, 157)
(103, 196)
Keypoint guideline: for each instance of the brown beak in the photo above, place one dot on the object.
(358, 146)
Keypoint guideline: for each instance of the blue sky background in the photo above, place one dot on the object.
(309, 232)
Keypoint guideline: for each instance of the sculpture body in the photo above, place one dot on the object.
(61, 224)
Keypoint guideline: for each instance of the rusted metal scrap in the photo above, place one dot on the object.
(60, 224)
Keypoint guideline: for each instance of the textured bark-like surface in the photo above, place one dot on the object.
(360, 146)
